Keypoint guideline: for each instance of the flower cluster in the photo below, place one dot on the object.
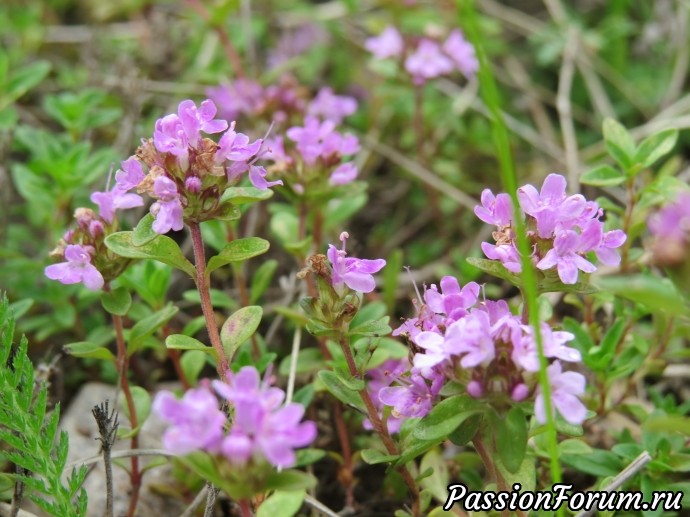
(186, 173)
(486, 348)
(426, 58)
(670, 229)
(562, 230)
(246, 97)
(86, 258)
(263, 429)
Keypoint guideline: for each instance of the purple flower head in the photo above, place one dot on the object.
(505, 326)
(566, 387)
(261, 426)
(169, 137)
(507, 254)
(565, 256)
(353, 272)
(462, 53)
(114, 199)
(453, 301)
(78, 268)
(551, 208)
(387, 44)
(333, 107)
(414, 396)
(337, 144)
(243, 96)
(379, 378)
(471, 336)
(310, 137)
(130, 175)
(197, 422)
(525, 353)
(496, 210)
(168, 209)
(603, 244)
(236, 147)
(343, 174)
(672, 222)
(257, 175)
(427, 62)
(194, 120)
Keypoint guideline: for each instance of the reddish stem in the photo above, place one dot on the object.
(245, 508)
(123, 367)
(378, 425)
(204, 288)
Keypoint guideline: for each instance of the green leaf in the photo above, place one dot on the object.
(238, 250)
(656, 146)
(658, 295)
(144, 233)
(619, 144)
(182, 342)
(308, 456)
(511, 438)
(439, 480)
(192, 362)
(144, 328)
(600, 357)
(446, 417)
(282, 503)
(162, 248)
(90, 350)
(289, 480)
(574, 446)
(603, 176)
(598, 463)
(25, 78)
(239, 327)
(262, 279)
(668, 423)
(378, 327)
(375, 456)
(467, 430)
(118, 301)
(339, 390)
(243, 195)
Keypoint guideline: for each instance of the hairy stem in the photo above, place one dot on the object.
(204, 288)
(344, 438)
(378, 425)
(107, 428)
(123, 367)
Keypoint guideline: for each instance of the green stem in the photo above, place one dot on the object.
(204, 288)
(509, 180)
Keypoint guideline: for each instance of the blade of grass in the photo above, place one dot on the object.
(492, 99)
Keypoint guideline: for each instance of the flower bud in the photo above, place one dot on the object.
(519, 393)
(96, 229)
(475, 389)
(193, 185)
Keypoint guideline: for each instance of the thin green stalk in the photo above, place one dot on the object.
(509, 179)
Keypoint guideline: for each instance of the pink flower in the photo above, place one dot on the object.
(565, 256)
(130, 175)
(332, 107)
(353, 272)
(196, 120)
(427, 62)
(257, 175)
(168, 209)
(261, 426)
(235, 147)
(198, 423)
(343, 174)
(566, 387)
(414, 395)
(169, 136)
(496, 210)
(462, 53)
(115, 199)
(387, 44)
(78, 268)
